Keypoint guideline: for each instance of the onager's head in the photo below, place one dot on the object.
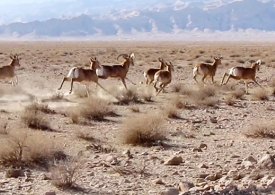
(218, 60)
(128, 58)
(163, 63)
(170, 66)
(15, 60)
(94, 63)
(256, 65)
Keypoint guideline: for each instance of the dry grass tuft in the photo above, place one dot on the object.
(264, 129)
(92, 108)
(28, 148)
(271, 83)
(35, 118)
(80, 92)
(3, 129)
(134, 108)
(176, 87)
(171, 111)
(65, 174)
(85, 135)
(129, 96)
(147, 94)
(205, 96)
(144, 130)
(229, 100)
(238, 93)
(57, 97)
(260, 94)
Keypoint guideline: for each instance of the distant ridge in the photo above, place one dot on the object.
(250, 16)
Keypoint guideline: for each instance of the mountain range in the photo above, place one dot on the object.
(172, 17)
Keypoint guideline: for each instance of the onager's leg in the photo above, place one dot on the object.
(246, 87)
(256, 82)
(123, 81)
(229, 76)
(147, 81)
(150, 82)
(16, 79)
(63, 80)
(212, 78)
(162, 88)
(155, 86)
(204, 76)
(87, 90)
(130, 81)
(194, 77)
(72, 83)
(224, 75)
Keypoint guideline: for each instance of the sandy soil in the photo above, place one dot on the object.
(215, 155)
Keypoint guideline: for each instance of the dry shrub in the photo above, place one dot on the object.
(134, 108)
(171, 111)
(93, 108)
(176, 101)
(144, 130)
(3, 129)
(41, 107)
(176, 87)
(57, 96)
(129, 96)
(241, 61)
(65, 174)
(229, 100)
(260, 94)
(235, 55)
(34, 118)
(205, 96)
(80, 92)
(238, 93)
(264, 129)
(147, 94)
(85, 135)
(271, 83)
(28, 148)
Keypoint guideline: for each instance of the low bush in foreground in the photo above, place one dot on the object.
(64, 174)
(35, 118)
(92, 109)
(264, 129)
(28, 148)
(142, 129)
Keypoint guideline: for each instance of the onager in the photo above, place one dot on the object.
(8, 71)
(164, 77)
(116, 71)
(82, 75)
(206, 69)
(243, 73)
(150, 73)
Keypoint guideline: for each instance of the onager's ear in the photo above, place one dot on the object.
(259, 62)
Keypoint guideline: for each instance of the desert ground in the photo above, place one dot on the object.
(189, 139)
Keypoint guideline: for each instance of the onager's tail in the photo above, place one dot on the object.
(73, 73)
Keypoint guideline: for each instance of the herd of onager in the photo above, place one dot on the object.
(161, 76)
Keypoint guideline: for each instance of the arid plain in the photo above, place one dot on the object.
(189, 139)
